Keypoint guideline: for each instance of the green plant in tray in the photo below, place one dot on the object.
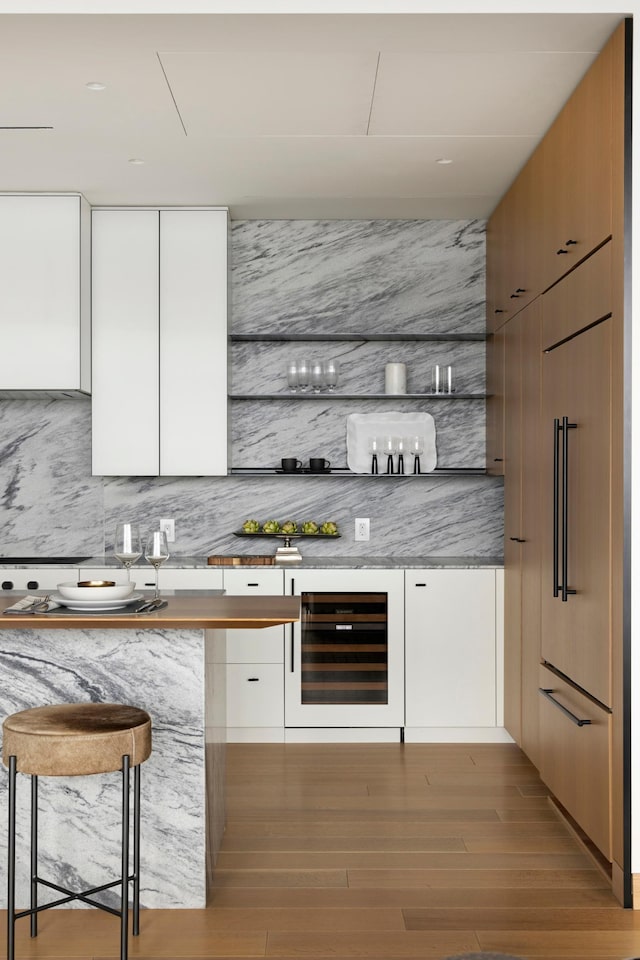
(289, 526)
(271, 526)
(251, 526)
(309, 526)
(329, 528)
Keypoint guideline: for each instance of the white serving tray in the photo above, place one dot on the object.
(362, 426)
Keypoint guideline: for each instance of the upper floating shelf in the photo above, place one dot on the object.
(301, 337)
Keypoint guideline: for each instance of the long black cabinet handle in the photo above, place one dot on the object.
(556, 491)
(293, 591)
(517, 539)
(566, 426)
(577, 720)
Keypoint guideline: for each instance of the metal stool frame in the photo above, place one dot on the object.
(85, 895)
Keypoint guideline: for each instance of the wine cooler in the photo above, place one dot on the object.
(345, 658)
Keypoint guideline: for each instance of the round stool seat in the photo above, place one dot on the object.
(76, 739)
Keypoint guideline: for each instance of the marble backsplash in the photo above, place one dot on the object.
(292, 276)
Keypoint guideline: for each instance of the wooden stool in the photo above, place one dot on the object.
(70, 740)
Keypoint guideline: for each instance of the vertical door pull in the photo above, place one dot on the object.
(556, 492)
(292, 667)
(566, 426)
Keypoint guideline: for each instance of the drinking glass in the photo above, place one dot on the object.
(127, 547)
(330, 372)
(304, 373)
(316, 376)
(156, 552)
(292, 376)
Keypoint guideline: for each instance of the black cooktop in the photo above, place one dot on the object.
(42, 560)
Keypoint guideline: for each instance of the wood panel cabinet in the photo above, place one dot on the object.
(495, 374)
(575, 735)
(576, 490)
(44, 295)
(522, 525)
(160, 342)
(513, 243)
(577, 170)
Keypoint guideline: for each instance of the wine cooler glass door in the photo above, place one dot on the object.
(343, 660)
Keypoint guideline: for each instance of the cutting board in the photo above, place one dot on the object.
(220, 560)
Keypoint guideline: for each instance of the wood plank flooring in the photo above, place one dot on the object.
(381, 851)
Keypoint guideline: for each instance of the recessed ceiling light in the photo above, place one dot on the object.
(136, 160)
(94, 85)
(443, 160)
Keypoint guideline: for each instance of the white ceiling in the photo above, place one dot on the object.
(280, 115)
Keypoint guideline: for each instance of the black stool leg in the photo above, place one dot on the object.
(136, 850)
(11, 869)
(34, 855)
(124, 918)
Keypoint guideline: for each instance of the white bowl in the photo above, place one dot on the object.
(71, 591)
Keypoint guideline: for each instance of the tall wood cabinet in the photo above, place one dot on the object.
(561, 431)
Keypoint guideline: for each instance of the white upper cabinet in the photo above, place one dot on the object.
(160, 342)
(45, 294)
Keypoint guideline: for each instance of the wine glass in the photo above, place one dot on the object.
(389, 447)
(330, 372)
(402, 447)
(316, 376)
(304, 373)
(292, 376)
(128, 547)
(416, 446)
(375, 447)
(156, 552)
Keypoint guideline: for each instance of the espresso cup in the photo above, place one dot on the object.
(318, 464)
(291, 465)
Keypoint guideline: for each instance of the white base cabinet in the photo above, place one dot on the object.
(45, 295)
(159, 342)
(255, 665)
(453, 656)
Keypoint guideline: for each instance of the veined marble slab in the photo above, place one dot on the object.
(162, 672)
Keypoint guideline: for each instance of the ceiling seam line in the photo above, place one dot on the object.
(166, 80)
(373, 93)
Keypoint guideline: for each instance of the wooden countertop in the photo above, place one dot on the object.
(195, 612)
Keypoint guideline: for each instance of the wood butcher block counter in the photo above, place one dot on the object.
(199, 612)
(171, 663)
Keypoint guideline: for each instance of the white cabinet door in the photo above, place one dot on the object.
(193, 342)
(126, 402)
(351, 673)
(160, 342)
(450, 648)
(44, 289)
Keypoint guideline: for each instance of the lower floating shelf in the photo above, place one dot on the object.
(346, 472)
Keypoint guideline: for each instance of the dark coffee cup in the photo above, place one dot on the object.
(291, 465)
(318, 465)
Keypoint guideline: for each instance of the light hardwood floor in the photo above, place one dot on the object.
(378, 851)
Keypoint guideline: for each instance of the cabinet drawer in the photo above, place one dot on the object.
(575, 758)
(255, 695)
(243, 583)
(581, 299)
(36, 578)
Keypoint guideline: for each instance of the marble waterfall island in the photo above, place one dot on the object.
(158, 662)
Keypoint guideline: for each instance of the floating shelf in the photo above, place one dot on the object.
(366, 337)
(359, 396)
(345, 471)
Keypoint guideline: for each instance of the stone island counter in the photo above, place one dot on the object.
(169, 662)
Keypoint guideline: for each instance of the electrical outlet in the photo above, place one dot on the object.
(169, 527)
(362, 528)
